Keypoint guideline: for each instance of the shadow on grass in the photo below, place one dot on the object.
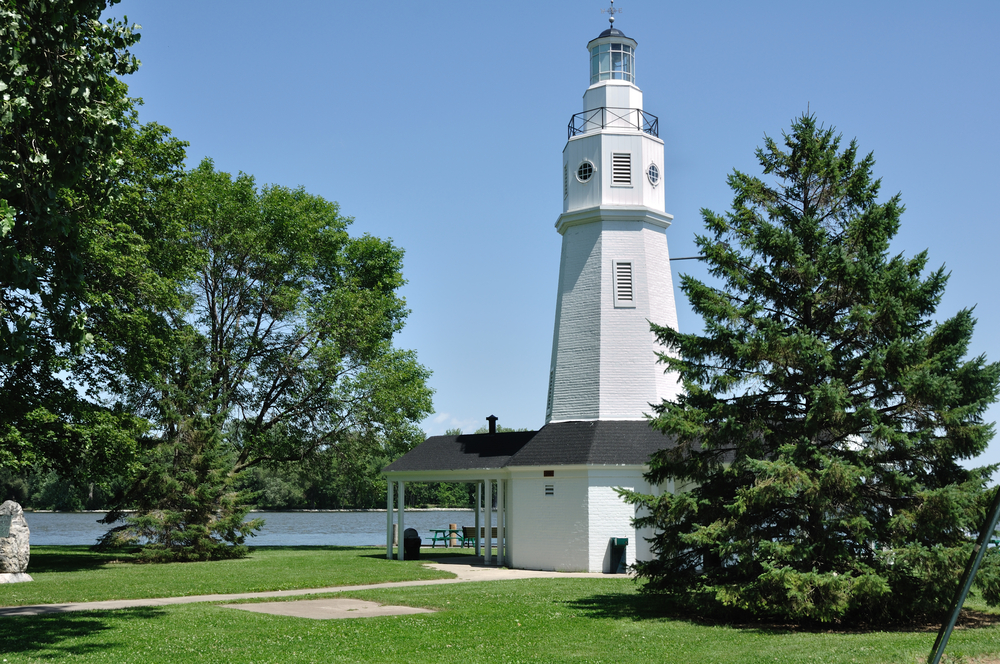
(624, 606)
(434, 554)
(45, 636)
(617, 606)
(304, 547)
(72, 558)
(652, 607)
(428, 555)
(64, 558)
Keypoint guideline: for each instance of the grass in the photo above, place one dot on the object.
(537, 620)
(77, 574)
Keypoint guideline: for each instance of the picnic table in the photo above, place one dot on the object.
(444, 535)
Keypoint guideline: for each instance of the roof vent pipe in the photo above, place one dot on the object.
(492, 419)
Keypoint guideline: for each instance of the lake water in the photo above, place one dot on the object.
(280, 528)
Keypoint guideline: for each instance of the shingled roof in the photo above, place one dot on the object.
(601, 442)
(465, 452)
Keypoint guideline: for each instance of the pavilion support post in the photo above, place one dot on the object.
(493, 524)
(501, 525)
(488, 530)
(479, 507)
(388, 520)
(402, 533)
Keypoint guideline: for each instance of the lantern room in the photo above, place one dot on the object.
(612, 57)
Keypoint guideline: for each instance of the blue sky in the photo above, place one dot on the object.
(442, 126)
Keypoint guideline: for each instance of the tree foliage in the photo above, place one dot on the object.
(295, 321)
(137, 252)
(66, 127)
(169, 327)
(282, 328)
(61, 114)
(57, 413)
(187, 506)
(824, 413)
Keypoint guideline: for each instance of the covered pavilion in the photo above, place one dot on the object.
(556, 503)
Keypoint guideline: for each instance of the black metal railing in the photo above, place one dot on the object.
(609, 117)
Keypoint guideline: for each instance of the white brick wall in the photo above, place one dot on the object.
(571, 530)
(603, 357)
(609, 515)
(642, 548)
(548, 532)
(629, 372)
(576, 344)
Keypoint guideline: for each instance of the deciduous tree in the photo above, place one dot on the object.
(284, 328)
(62, 111)
(65, 120)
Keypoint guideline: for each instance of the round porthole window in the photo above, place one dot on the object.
(653, 173)
(585, 172)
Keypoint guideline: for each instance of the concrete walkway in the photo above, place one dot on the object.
(464, 573)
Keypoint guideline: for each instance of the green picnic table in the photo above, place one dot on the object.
(444, 536)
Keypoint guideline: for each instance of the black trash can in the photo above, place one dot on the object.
(618, 558)
(411, 544)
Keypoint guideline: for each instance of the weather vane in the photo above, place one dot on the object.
(611, 13)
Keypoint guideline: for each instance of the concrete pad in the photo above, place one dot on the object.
(327, 609)
(473, 569)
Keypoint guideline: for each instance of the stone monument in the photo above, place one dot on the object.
(14, 549)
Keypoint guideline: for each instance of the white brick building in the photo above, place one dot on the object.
(557, 507)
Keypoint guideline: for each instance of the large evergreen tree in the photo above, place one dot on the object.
(824, 414)
(186, 503)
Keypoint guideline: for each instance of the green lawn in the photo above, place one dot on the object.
(76, 574)
(538, 620)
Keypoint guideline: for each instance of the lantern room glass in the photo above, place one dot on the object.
(612, 62)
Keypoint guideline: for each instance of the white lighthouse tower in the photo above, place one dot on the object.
(557, 505)
(614, 273)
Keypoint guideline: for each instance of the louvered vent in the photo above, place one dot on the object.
(550, 490)
(623, 283)
(621, 168)
(565, 181)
